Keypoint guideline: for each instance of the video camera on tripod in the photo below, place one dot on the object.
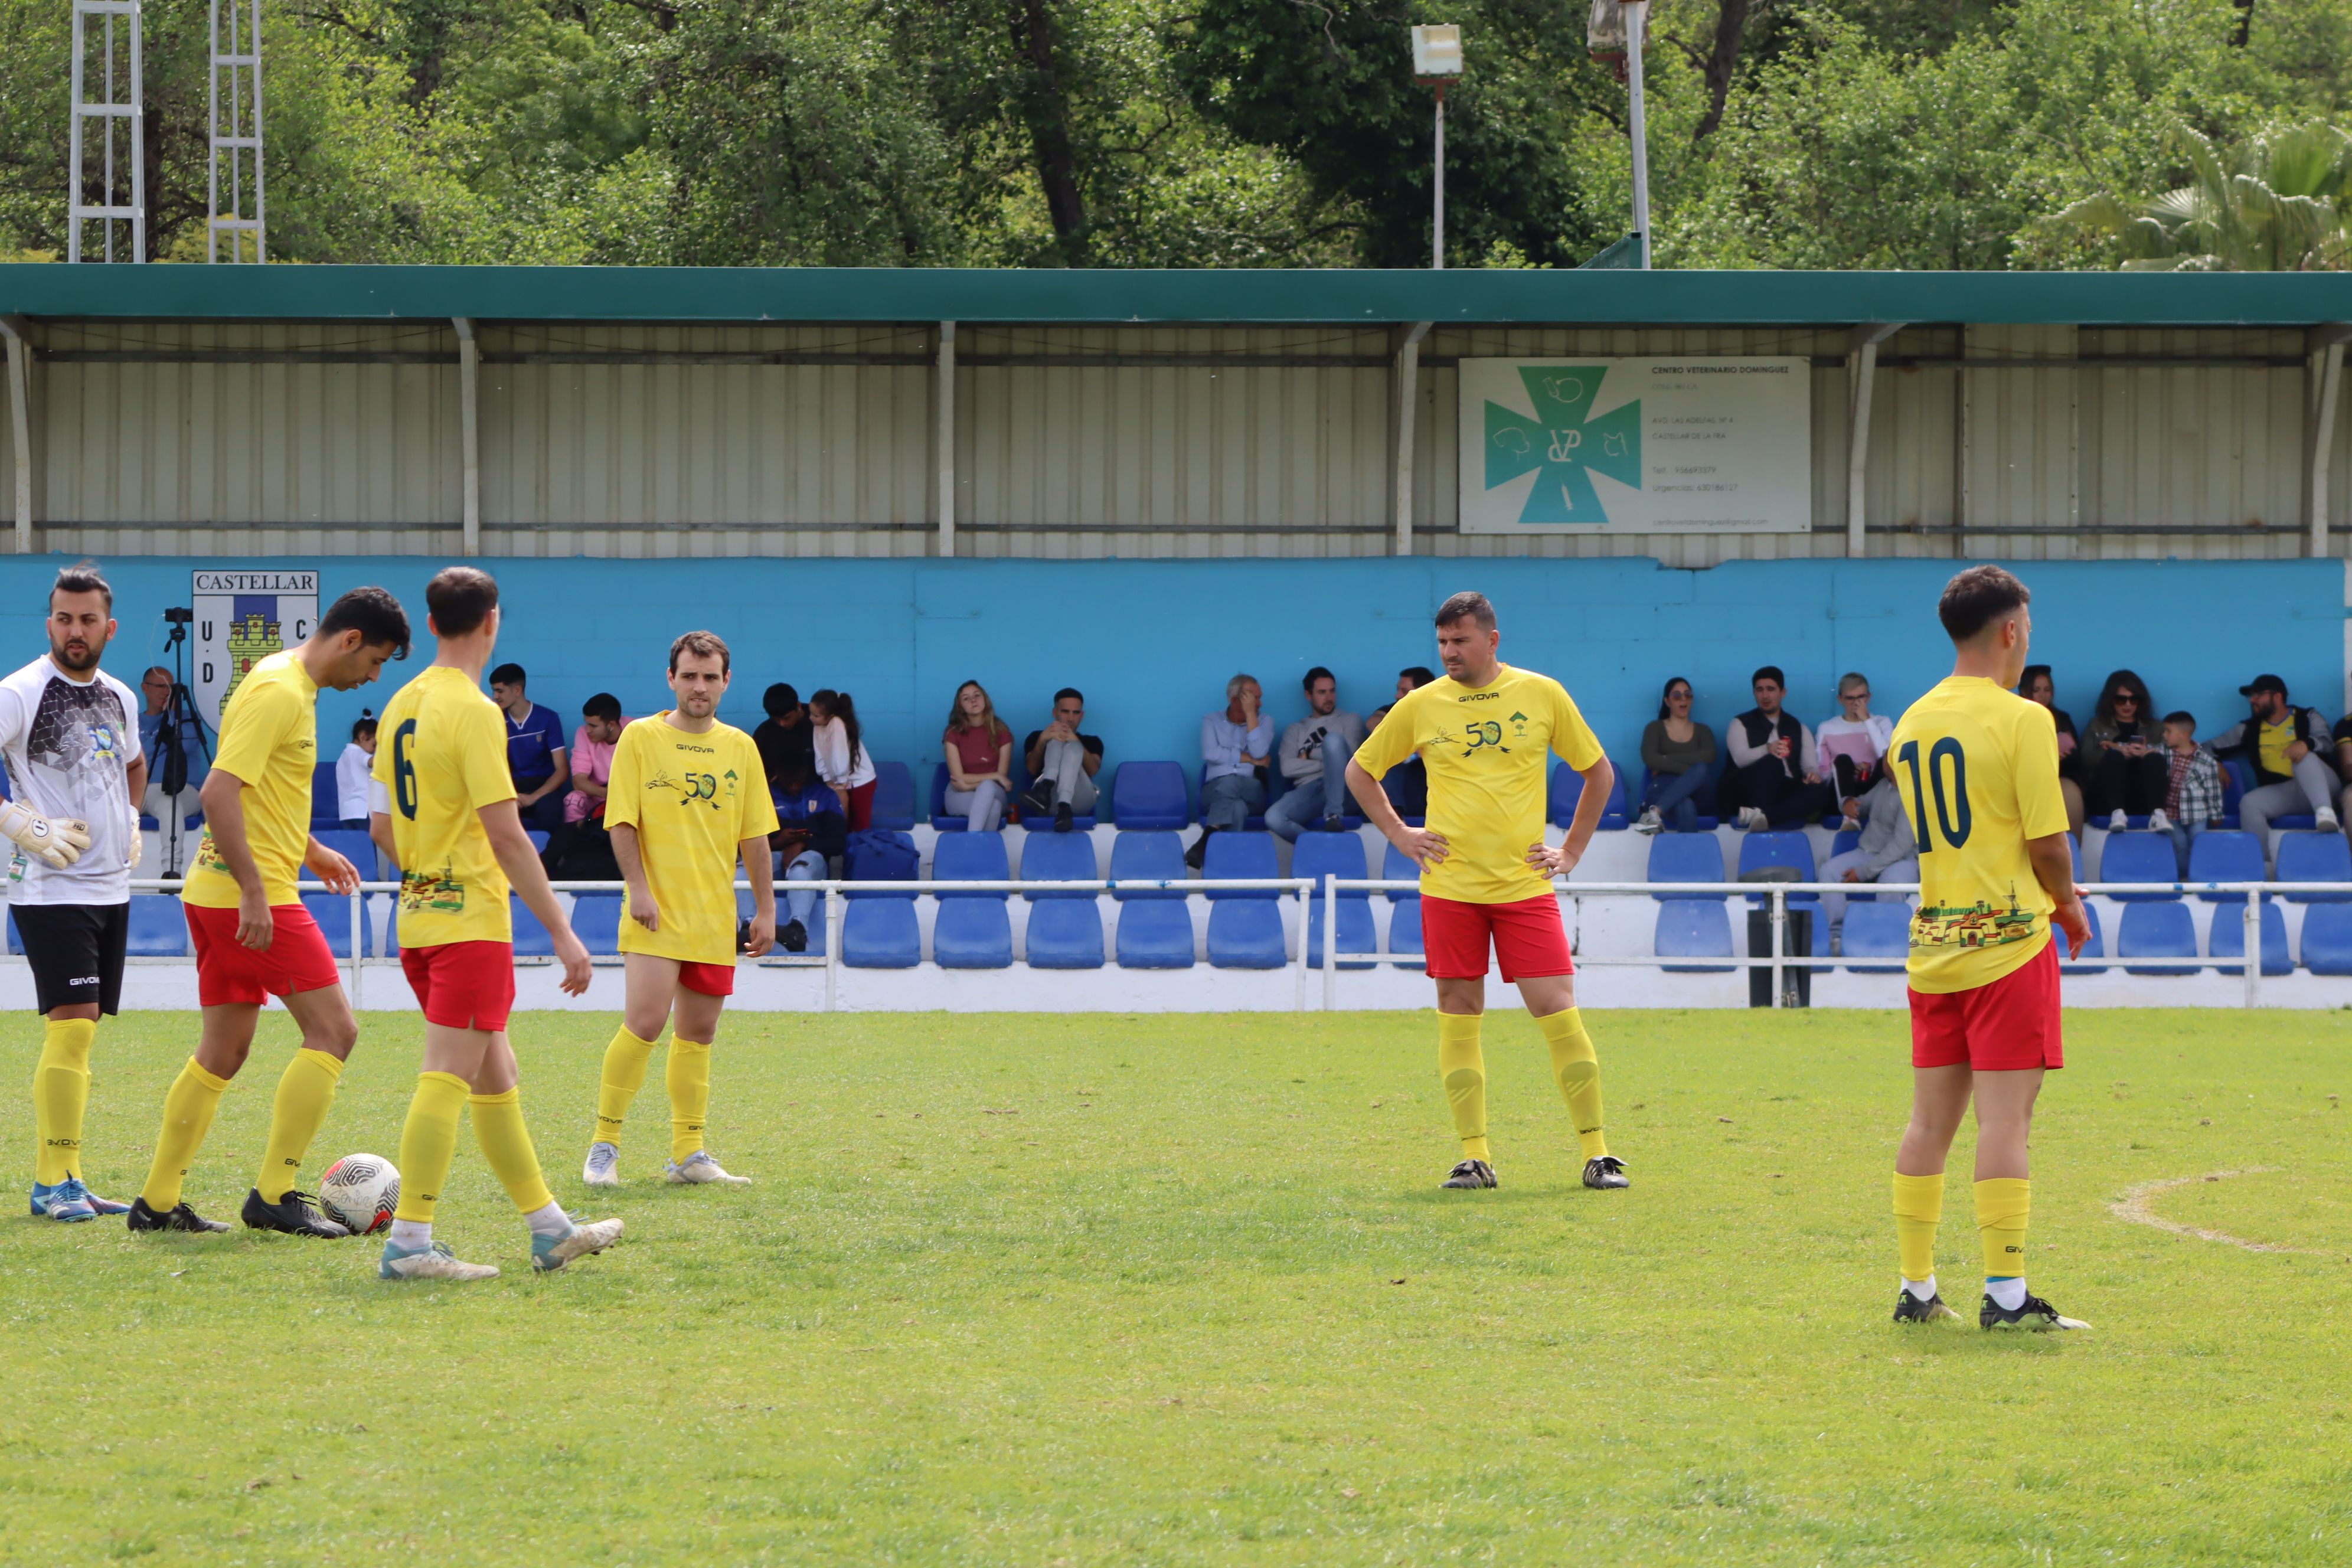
(180, 718)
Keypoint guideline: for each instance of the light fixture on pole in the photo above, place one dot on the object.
(1615, 33)
(1437, 63)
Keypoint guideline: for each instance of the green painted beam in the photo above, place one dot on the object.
(296, 293)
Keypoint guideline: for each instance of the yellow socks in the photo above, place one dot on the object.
(428, 1144)
(1918, 1209)
(304, 1094)
(1578, 1070)
(506, 1144)
(690, 1094)
(2003, 1204)
(188, 1110)
(1463, 1067)
(625, 1061)
(60, 1095)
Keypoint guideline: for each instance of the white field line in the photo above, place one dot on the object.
(2133, 1206)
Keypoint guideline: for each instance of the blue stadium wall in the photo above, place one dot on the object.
(1152, 643)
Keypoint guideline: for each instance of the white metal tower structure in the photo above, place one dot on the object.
(234, 119)
(115, 204)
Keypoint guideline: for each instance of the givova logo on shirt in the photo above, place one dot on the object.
(1564, 443)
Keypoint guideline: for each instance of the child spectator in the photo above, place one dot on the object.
(1885, 852)
(841, 759)
(352, 773)
(978, 749)
(2192, 790)
(1679, 752)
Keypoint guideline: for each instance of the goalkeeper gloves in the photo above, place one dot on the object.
(57, 844)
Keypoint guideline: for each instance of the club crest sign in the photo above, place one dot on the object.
(1636, 446)
(243, 618)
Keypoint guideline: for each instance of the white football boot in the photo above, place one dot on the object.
(699, 1169)
(550, 1253)
(603, 1167)
(434, 1262)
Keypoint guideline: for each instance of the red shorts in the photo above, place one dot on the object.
(711, 979)
(462, 984)
(2009, 1025)
(1528, 938)
(229, 972)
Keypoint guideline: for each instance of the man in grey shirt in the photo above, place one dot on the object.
(1314, 756)
(1885, 853)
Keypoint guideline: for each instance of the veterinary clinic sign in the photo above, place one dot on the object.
(1636, 446)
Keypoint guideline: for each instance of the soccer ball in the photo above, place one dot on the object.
(360, 1191)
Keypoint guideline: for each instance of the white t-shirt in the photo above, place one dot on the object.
(352, 770)
(835, 765)
(68, 746)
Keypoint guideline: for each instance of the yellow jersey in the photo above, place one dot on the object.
(443, 757)
(1977, 769)
(693, 800)
(269, 740)
(1488, 753)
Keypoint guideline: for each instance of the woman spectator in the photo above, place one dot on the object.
(978, 753)
(1679, 752)
(841, 759)
(2123, 751)
(1852, 746)
(2039, 687)
(352, 773)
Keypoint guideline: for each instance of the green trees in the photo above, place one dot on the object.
(2277, 203)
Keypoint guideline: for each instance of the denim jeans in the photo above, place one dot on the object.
(1228, 800)
(1312, 799)
(808, 865)
(2183, 835)
(1677, 795)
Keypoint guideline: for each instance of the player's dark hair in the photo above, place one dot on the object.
(1771, 672)
(459, 599)
(779, 699)
(2025, 681)
(603, 705)
(2183, 716)
(1668, 690)
(1467, 605)
(1419, 675)
(1314, 675)
(362, 725)
(1073, 693)
(509, 674)
(1977, 597)
(701, 644)
(372, 613)
(82, 577)
(838, 705)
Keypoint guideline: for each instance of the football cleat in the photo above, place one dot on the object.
(699, 1169)
(296, 1213)
(1909, 1309)
(1470, 1173)
(2033, 1313)
(180, 1217)
(550, 1253)
(68, 1202)
(603, 1167)
(1606, 1173)
(434, 1262)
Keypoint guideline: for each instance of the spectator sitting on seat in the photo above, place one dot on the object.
(1679, 752)
(1852, 746)
(2287, 748)
(580, 849)
(352, 773)
(1775, 777)
(2039, 687)
(535, 756)
(1314, 754)
(2192, 791)
(840, 752)
(1063, 761)
(787, 753)
(1886, 852)
(811, 830)
(1236, 745)
(1407, 784)
(170, 811)
(2123, 753)
(978, 753)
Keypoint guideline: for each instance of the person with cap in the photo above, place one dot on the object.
(2287, 748)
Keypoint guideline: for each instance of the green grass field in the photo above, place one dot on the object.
(1180, 1290)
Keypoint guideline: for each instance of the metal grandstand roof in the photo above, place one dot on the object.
(304, 293)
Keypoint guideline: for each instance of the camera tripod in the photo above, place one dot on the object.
(171, 750)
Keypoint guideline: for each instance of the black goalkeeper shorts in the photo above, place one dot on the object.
(75, 950)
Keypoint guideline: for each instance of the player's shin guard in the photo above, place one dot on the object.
(188, 1110)
(304, 1092)
(60, 1095)
(690, 1094)
(1463, 1067)
(625, 1061)
(428, 1144)
(2003, 1205)
(506, 1144)
(1578, 1069)
(1919, 1210)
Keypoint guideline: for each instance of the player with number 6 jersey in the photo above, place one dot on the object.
(1977, 769)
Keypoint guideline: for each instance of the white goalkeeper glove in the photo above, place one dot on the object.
(138, 841)
(57, 844)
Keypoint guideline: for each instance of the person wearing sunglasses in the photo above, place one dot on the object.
(2287, 748)
(2124, 752)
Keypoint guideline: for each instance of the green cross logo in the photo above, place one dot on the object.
(1564, 444)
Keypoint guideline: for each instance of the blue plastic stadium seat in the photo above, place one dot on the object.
(2138, 858)
(334, 913)
(1155, 927)
(1700, 824)
(1791, 848)
(1058, 857)
(938, 815)
(2225, 855)
(1149, 795)
(1875, 936)
(2156, 930)
(324, 810)
(2327, 939)
(1404, 928)
(538, 837)
(1064, 927)
(1245, 923)
(878, 931)
(972, 857)
(1844, 840)
(1568, 788)
(2314, 857)
(353, 845)
(894, 797)
(1156, 855)
(2096, 948)
(1693, 928)
(1684, 857)
(1242, 855)
(158, 928)
(1155, 936)
(596, 920)
(531, 940)
(865, 865)
(383, 922)
(1341, 855)
(2236, 779)
(1397, 866)
(973, 931)
(2227, 939)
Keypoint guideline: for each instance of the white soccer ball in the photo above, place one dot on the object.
(360, 1191)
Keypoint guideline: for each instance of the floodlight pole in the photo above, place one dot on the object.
(1437, 221)
(1634, 116)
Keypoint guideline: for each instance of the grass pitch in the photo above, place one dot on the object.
(1180, 1289)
